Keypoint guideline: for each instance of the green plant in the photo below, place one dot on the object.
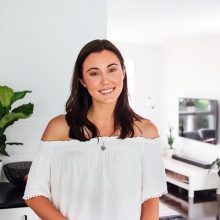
(216, 163)
(170, 138)
(8, 115)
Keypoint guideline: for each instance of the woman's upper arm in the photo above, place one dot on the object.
(56, 129)
(153, 174)
(148, 129)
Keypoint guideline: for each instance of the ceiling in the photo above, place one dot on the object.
(156, 21)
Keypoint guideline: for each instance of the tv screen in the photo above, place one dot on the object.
(198, 119)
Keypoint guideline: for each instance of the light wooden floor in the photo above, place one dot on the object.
(204, 206)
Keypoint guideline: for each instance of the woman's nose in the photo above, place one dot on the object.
(104, 78)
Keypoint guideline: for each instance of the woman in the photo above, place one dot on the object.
(100, 161)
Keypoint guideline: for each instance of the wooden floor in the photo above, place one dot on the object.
(204, 206)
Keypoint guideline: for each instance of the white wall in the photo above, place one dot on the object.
(147, 77)
(39, 42)
(191, 69)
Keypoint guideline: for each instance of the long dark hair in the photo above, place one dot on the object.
(80, 101)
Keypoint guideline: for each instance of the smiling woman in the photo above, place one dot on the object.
(99, 89)
(75, 176)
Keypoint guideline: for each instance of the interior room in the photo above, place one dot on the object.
(171, 51)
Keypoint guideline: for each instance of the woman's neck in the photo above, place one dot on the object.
(103, 119)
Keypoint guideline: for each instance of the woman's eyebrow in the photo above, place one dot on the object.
(112, 64)
(98, 68)
(92, 69)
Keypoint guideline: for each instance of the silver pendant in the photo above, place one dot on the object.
(103, 147)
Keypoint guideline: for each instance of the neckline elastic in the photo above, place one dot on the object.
(106, 138)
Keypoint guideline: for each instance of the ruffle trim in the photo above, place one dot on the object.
(154, 196)
(33, 196)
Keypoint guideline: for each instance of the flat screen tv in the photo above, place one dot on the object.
(198, 119)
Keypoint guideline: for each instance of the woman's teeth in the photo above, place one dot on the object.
(106, 91)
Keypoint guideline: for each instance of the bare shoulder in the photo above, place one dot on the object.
(56, 130)
(146, 128)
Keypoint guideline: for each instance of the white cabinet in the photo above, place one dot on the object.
(24, 213)
(190, 177)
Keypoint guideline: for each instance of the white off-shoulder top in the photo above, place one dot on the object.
(85, 182)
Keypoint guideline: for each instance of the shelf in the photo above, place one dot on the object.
(177, 176)
(178, 183)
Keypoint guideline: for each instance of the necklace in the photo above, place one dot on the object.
(103, 141)
(103, 144)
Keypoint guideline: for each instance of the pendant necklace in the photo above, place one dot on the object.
(103, 141)
(103, 144)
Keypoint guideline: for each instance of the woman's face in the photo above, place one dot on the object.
(103, 76)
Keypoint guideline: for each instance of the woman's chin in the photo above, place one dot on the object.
(106, 100)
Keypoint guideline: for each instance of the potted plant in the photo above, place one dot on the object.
(8, 115)
(170, 141)
(216, 165)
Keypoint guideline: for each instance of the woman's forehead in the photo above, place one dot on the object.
(103, 58)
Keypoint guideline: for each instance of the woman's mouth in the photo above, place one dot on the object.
(106, 91)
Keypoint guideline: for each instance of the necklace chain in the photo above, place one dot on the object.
(103, 141)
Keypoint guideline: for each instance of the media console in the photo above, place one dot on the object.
(205, 166)
(190, 177)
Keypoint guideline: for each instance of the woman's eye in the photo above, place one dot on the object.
(112, 70)
(93, 73)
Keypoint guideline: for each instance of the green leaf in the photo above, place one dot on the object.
(2, 130)
(21, 112)
(19, 95)
(2, 150)
(1, 110)
(9, 119)
(26, 109)
(6, 94)
(2, 139)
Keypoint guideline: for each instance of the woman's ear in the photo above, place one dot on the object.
(82, 82)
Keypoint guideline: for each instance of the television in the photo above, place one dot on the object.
(198, 119)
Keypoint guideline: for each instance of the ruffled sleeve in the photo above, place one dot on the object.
(153, 171)
(38, 183)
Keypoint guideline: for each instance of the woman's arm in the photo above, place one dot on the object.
(150, 209)
(40, 204)
(44, 208)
